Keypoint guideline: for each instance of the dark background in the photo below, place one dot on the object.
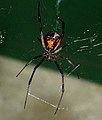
(19, 31)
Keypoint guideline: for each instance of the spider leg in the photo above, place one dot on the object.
(61, 48)
(70, 62)
(30, 80)
(40, 26)
(62, 86)
(63, 26)
(28, 64)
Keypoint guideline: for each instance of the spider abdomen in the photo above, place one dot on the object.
(52, 40)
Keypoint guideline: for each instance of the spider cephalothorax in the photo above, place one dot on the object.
(48, 55)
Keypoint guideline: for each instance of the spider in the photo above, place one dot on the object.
(50, 43)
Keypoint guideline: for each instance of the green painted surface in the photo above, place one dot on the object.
(19, 26)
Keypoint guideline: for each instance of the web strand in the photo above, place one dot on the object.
(44, 101)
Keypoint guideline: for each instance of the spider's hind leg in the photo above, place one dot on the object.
(28, 63)
(30, 80)
(62, 86)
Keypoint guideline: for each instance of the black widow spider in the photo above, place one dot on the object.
(50, 43)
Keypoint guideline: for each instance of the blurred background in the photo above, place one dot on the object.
(19, 33)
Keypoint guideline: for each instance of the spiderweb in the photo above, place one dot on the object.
(2, 36)
(3, 31)
(85, 44)
(78, 45)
